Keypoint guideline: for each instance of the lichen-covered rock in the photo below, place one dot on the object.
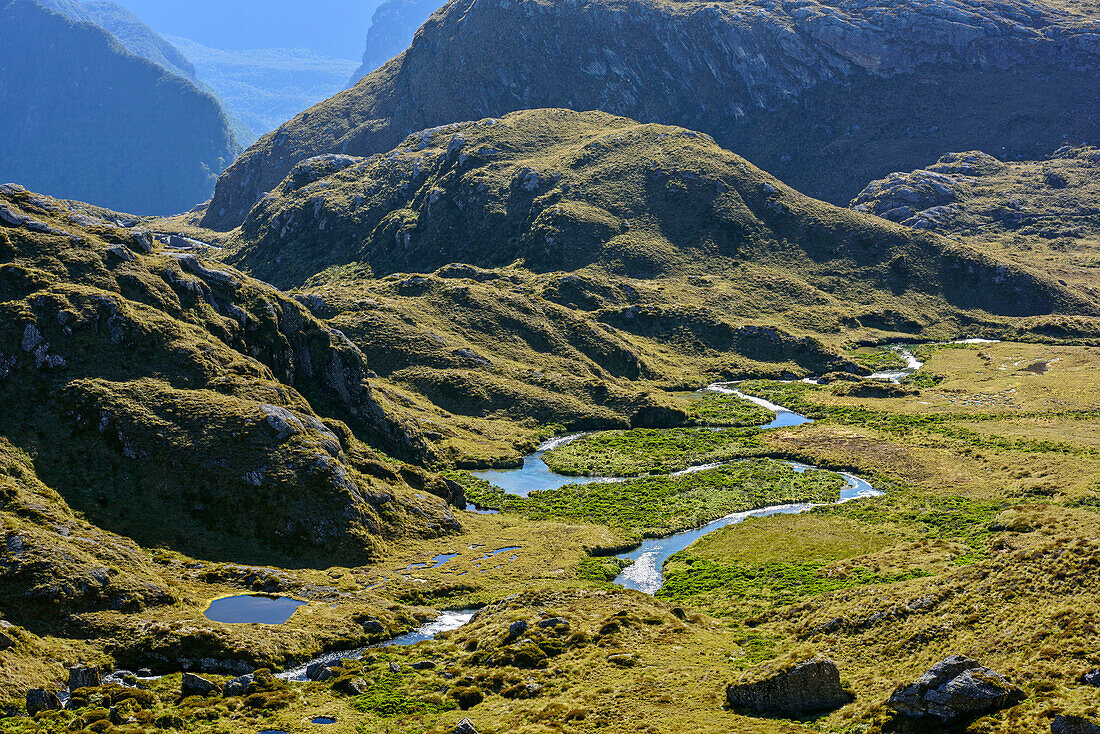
(955, 688)
(464, 727)
(796, 688)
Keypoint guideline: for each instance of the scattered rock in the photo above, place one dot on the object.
(195, 685)
(39, 699)
(679, 613)
(395, 668)
(1073, 725)
(808, 686)
(239, 686)
(423, 665)
(954, 688)
(464, 727)
(1091, 678)
(351, 686)
(121, 253)
(83, 676)
(516, 629)
(5, 641)
(326, 669)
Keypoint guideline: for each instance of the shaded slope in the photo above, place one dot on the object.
(85, 119)
(180, 404)
(825, 95)
(138, 38)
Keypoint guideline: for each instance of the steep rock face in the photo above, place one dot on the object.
(90, 121)
(138, 38)
(177, 402)
(560, 190)
(391, 30)
(821, 94)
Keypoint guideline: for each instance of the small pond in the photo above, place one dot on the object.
(252, 609)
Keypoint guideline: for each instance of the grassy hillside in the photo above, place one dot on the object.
(91, 121)
(826, 96)
(180, 403)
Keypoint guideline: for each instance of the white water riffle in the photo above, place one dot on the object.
(445, 622)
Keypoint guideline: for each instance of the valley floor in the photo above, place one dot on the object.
(984, 543)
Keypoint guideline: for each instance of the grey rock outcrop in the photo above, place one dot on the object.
(1068, 724)
(196, 685)
(39, 699)
(239, 686)
(83, 676)
(807, 687)
(955, 688)
(464, 727)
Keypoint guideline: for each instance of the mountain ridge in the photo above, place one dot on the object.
(790, 86)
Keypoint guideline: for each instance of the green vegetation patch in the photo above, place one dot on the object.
(644, 450)
(727, 410)
(660, 505)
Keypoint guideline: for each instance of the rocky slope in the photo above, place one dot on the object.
(91, 121)
(180, 403)
(391, 31)
(825, 95)
(1042, 213)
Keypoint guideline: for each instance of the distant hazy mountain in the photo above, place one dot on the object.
(84, 118)
(391, 31)
(263, 88)
(130, 31)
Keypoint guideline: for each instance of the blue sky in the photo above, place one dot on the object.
(333, 27)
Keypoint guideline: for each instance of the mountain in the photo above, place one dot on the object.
(89, 120)
(391, 31)
(264, 88)
(138, 38)
(826, 96)
(553, 264)
(183, 404)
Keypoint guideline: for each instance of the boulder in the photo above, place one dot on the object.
(955, 688)
(395, 668)
(239, 686)
(554, 622)
(423, 665)
(1073, 725)
(326, 669)
(1091, 678)
(806, 687)
(6, 641)
(516, 629)
(39, 699)
(351, 686)
(196, 685)
(83, 676)
(464, 727)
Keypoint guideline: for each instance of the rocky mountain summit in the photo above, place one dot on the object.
(824, 95)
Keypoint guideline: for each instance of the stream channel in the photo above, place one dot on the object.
(645, 571)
